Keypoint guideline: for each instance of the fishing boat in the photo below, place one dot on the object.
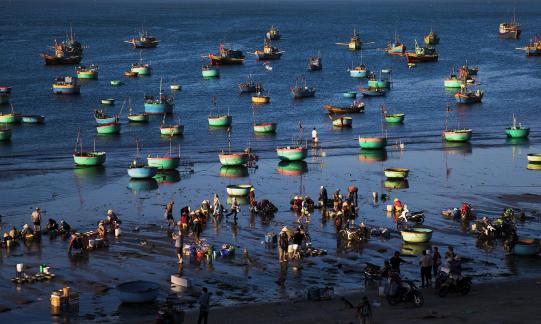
(135, 117)
(394, 118)
(259, 98)
(217, 120)
(342, 122)
(396, 173)
(373, 92)
(534, 47)
(33, 119)
(250, 86)
(226, 56)
(102, 118)
(297, 152)
(422, 54)
(239, 190)
(66, 85)
(517, 131)
(432, 38)
(109, 128)
(69, 51)
(354, 43)
(269, 52)
(5, 134)
(349, 94)
(139, 169)
(534, 157)
(175, 87)
(300, 91)
(273, 33)
(384, 81)
(131, 74)
(230, 159)
(162, 104)
(416, 234)
(10, 118)
(356, 107)
(87, 158)
(144, 40)
(164, 162)
(359, 71)
(457, 135)
(265, 128)
(142, 69)
(468, 97)
(116, 83)
(171, 129)
(453, 82)
(314, 63)
(107, 101)
(510, 30)
(372, 143)
(395, 47)
(208, 71)
(90, 72)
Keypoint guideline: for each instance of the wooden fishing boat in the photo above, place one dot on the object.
(90, 72)
(395, 47)
(260, 99)
(300, 91)
(510, 30)
(526, 247)
(269, 52)
(394, 118)
(66, 85)
(107, 101)
(164, 162)
(109, 128)
(69, 51)
(457, 135)
(138, 118)
(359, 71)
(160, 105)
(5, 134)
(273, 33)
(33, 119)
(372, 143)
(453, 82)
(355, 107)
(432, 38)
(314, 63)
(373, 92)
(220, 120)
(534, 157)
(233, 171)
(226, 56)
(468, 97)
(144, 40)
(342, 122)
(175, 87)
(250, 86)
(422, 54)
(171, 130)
(102, 118)
(265, 128)
(517, 131)
(87, 158)
(354, 43)
(233, 158)
(292, 153)
(116, 83)
(10, 118)
(384, 82)
(416, 234)
(396, 173)
(533, 48)
(292, 168)
(142, 69)
(239, 190)
(208, 71)
(131, 74)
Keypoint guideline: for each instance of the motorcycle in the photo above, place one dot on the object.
(417, 217)
(405, 292)
(355, 234)
(371, 273)
(446, 284)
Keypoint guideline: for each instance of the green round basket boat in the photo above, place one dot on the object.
(517, 132)
(372, 143)
(89, 158)
(395, 118)
(458, 135)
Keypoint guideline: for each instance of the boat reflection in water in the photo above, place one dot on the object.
(141, 185)
(415, 249)
(167, 177)
(292, 168)
(396, 184)
(89, 171)
(372, 156)
(457, 148)
(523, 142)
(233, 171)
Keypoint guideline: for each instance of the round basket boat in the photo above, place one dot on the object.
(416, 235)
(526, 246)
(396, 173)
(238, 190)
(138, 291)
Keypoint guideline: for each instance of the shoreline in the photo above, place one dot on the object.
(514, 301)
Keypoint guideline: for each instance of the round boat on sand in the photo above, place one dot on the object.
(416, 235)
(238, 190)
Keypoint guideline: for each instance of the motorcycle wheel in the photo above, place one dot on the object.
(393, 300)
(465, 289)
(418, 299)
(421, 219)
(443, 291)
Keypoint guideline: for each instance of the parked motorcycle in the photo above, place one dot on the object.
(446, 284)
(405, 292)
(417, 217)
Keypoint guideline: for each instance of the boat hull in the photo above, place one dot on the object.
(238, 190)
(265, 128)
(416, 235)
(158, 108)
(233, 159)
(378, 92)
(141, 70)
(514, 34)
(292, 154)
(66, 90)
(87, 75)
(5, 134)
(452, 83)
(33, 119)
(358, 74)
(453, 136)
(342, 122)
(107, 102)
(382, 84)
(103, 121)
(344, 110)
(210, 73)
(111, 128)
(164, 163)
(89, 158)
(372, 143)
(172, 130)
(221, 121)
(264, 56)
(517, 132)
(260, 100)
(526, 247)
(142, 172)
(414, 58)
(138, 118)
(10, 119)
(395, 118)
(467, 100)
(54, 60)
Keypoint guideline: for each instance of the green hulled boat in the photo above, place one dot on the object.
(209, 71)
(292, 153)
(5, 134)
(11, 118)
(396, 173)
(116, 83)
(89, 158)
(109, 128)
(166, 162)
(90, 72)
(220, 121)
(171, 130)
(517, 131)
(457, 135)
(372, 143)
(265, 128)
(138, 118)
(229, 159)
(394, 118)
(142, 69)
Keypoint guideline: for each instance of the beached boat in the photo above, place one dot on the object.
(359, 71)
(468, 97)
(416, 235)
(144, 40)
(109, 128)
(510, 30)
(107, 101)
(526, 246)
(517, 131)
(33, 119)
(373, 92)
(342, 122)
(372, 143)
(250, 86)
(300, 90)
(233, 158)
(422, 54)
(66, 85)
(10, 118)
(356, 107)
(432, 38)
(273, 33)
(269, 52)
(457, 135)
(90, 72)
(534, 157)
(292, 153)
(396, 173)
(5, 134)
(265, 128)
(208, 71)
(395, 47)
(226, 56)
(160, 105)
(239, 190)
(69, 51)
(137, 292)
(394, 118)
(314, 63)
(260, 99)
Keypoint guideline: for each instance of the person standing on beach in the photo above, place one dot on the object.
(395, 262)
(204, 305)
(169, 214)
(36, 220)
(283, 245)
(426, 269)
(179, 242)
(364, 311)
(436, 261)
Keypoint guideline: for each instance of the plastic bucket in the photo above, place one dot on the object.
(20, 267)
